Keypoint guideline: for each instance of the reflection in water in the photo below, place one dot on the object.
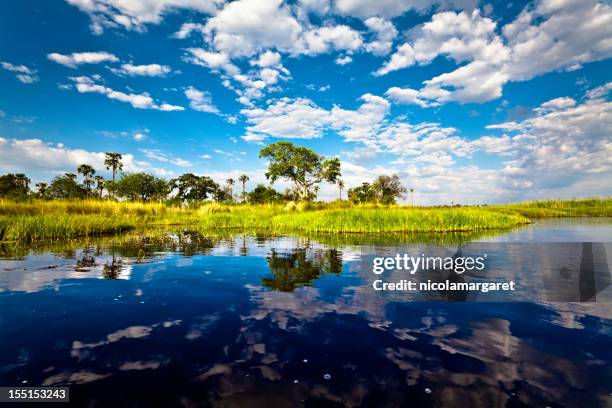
(296, 269)
(111, 269)
(253, 320)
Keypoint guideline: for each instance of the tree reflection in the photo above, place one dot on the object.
(86, 260)
(300, 268)
(111, 270)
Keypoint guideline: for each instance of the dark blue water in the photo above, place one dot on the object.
(257, 321)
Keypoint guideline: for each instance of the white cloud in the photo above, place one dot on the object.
(600, 91)
(406, 96)
(322, 40)
(186, 30)
(286, 118)
(244, 27)
(42, 160)
(139, 137)
(558, 35)
(143, 70)
(84, 84)
(556, 104)
(158, 155)
(213, 60)
(384, 33)
(134, 15)
(549, 36)
(23, 73)
(78, 58)
(268, 59)
(200, 101)
(563, 144)
(343, 60)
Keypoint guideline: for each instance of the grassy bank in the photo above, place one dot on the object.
(560, 208)
(38, 221)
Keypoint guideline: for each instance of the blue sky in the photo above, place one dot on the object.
(467, 101)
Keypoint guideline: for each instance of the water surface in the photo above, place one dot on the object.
(244, 320)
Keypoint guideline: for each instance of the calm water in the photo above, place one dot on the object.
(181, 319)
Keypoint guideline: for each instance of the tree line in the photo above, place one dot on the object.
(301, 166)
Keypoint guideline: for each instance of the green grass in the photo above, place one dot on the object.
(561, 208)
(39, 221)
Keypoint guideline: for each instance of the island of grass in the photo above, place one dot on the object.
(92, 206)
(40, 220)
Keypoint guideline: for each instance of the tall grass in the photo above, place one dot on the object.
(590, 207)
(38, 221)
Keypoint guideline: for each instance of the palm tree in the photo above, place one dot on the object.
(230, 182)
(412, 196)
(340, 187)
(113, 161)
(99, 185)
(243, 179)
(87, 171)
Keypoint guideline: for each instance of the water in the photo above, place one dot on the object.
(181, 319)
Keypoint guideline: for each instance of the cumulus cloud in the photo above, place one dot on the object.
(143, 70)
(23, 73)
(244, 27)
(343, 60)
(322, 40)
(384, 33)
(78, 58)
(40, 160)
(84, 84)
(558, 35)
(394, 8)
(543, 38)
(200, 101)
(134, 15)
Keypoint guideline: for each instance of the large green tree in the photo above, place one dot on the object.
(362, 194)
(262, 194)
(65, 186)
(192, 187)
(388, 189)
(142, 187)
(300, 165)
(14, 186)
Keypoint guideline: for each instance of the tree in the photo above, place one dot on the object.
(41, 190)
(262, 194)
(230, 183)
(300, 165)
(388, 188)
(222, 195)
(362, 194)
(243, 179)
(192, 187)
(340, 187)
(66, 186)
(99, 185)
(113, 162)
(142, 186)
(412, 197)
(14, 186)
(87, 172)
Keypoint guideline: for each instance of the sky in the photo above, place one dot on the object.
(468, 102)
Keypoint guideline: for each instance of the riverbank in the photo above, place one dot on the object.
(35, 221)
